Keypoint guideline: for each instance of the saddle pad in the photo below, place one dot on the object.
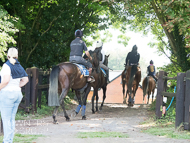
(103, 72)
(83, 69)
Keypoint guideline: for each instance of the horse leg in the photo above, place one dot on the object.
(152, 95)
(96, 91)
(148, 97)
(87, 90)
(78, 95)
(93, 102)
(54, 115)
(62, 96)
(104, 96)
(124, 97)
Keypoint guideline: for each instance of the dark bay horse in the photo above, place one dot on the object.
(63, 77)
(149, 85)
(132, 83)
(100, 82)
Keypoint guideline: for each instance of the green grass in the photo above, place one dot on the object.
(168, 131)
(44, 111)
(164, 126)
(19, 138)
(102, 135)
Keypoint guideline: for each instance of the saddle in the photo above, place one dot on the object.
(83, 69)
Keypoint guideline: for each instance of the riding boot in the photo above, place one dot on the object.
(90, 78)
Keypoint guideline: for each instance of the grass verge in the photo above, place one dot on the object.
(20, 138)
(164, 126)
(102, 135)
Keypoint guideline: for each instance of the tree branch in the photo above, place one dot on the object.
(42, 35)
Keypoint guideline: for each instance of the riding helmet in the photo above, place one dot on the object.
(99, 44)
(78, 33)
(134, 48)
(151, 62)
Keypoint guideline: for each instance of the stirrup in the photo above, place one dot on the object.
(91, 79)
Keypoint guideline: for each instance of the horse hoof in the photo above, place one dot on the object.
(100, 109)
(55, 122)
(67, 118)
(83, 117)
(93, 112)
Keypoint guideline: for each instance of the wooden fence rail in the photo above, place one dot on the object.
(182, 97)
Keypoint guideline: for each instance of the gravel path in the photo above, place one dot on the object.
(113, 118)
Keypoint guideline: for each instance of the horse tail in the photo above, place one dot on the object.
(145, 87)
(53, 99)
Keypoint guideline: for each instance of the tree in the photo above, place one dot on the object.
(49, 27)
(7, 31)
(163, 18)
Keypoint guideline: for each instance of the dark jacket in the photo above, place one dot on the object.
(133, 58)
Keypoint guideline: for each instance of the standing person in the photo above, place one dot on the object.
(77, 47)
(13, 77)
(151, 71)
(99, 45)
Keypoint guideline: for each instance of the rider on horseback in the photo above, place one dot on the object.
(77, 47)
(132, 59)
(151, 70)
(99, 45)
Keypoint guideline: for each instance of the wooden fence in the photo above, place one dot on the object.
(182, 97)
(32, 91)
(38, 82)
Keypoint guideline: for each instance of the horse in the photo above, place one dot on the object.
(132, 83)
(66, 76)
(100, 82)
(149, 85)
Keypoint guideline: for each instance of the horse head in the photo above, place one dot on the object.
(106, 60)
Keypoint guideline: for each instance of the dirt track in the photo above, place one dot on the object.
(113, 118)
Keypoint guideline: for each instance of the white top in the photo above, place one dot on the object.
(13, 84)
(103, 56)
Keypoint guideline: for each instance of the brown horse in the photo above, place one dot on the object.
(100, 82)
(149, 85)
(63, 77)
(132, 83)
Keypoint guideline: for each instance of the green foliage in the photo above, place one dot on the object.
(102, 135)
(7, 31)
(48, 27)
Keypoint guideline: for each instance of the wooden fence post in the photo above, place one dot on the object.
(39, 90)
(159, 97)
(27, 91)
(180, 96)
(187, 102)
(34, 89)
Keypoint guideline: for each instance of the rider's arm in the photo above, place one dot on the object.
(88, 54)
(103, 56)
(127, 58)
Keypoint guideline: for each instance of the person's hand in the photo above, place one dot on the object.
(90, 58)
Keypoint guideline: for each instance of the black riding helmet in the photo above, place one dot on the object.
(151, 62)
(78, 33)
(134, 48)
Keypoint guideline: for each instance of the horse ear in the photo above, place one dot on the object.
(108, 55)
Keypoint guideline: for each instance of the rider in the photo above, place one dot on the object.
(132, 58)
(99, 45)
(77, 47)
(151, 70)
